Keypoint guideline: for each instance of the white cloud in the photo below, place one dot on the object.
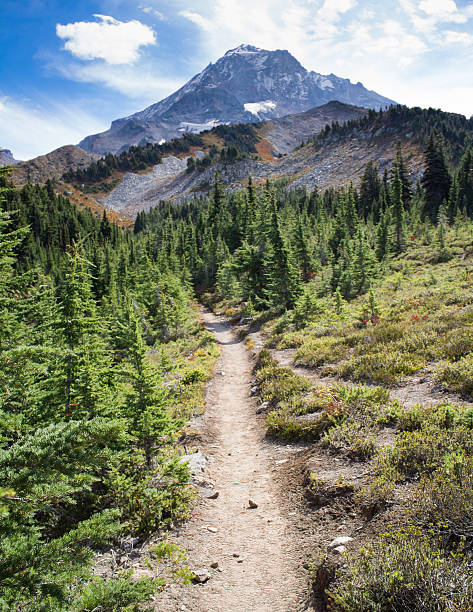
(198, 19)
(331, 10)
(452, 37)
(443, 9)
(149, 10)
(139, 83)
(31, 130)
(115, 42)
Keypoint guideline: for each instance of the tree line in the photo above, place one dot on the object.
(264, 244)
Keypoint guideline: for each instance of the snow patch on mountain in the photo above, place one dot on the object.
(325, 83)
(244, 50)
(255, 108)
(196, 128)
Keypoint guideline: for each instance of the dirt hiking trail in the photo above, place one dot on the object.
(259, 568)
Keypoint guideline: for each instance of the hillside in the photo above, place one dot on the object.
(142, 177)
(52, 165)
(286, 133)
(247, 84)
(337, 156)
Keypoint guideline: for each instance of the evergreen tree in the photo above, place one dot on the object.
(283, 283)
(370, 189)
(398, 215)
(302, 250)
(400, 167)
(147, 401)
(436, 178)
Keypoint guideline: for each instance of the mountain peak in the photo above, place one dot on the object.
(246, 85)
(243, 49)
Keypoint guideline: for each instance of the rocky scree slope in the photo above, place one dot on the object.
(169, 180)
(247, 84)
(331, 163)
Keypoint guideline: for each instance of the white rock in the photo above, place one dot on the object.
(339, 550)
(341, 541)
(201, 576)
(196, 461)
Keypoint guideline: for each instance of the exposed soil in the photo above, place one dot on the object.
(260, 551)
(418, 389)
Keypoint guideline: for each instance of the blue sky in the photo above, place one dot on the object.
(67, 69)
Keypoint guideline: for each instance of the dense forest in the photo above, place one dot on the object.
(87, 418)
(262, 246)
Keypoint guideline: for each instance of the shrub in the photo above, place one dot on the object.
(457, 376)
(155, 500)
(405, 571)
(387, 366)
(411, 418)
(445, 499)
(120, 593)
(457, 344)
(283, 425)
(351, 436)
(375, 495)
(318, 351)
(421, 451)
(277, 383)
(192, 376)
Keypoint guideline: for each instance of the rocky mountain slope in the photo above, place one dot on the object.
(336, 155)
(247, 84)
(286, 133)
(331, 159)
(6, 157)
(274, 138)
(52, 165)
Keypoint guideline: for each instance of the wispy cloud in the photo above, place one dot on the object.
(137, 82)
(115, 42)
(198, 19)
(444, 10)
(388, 46)
(150, 10)
(31, 130)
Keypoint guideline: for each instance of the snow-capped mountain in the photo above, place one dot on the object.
(247, 84)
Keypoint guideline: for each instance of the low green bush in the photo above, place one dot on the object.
(385, 366)
(121, 593)
(457, 376)
(283, 426)
(352, 436)
(319, 351)
(445, 499)
(405, 571)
